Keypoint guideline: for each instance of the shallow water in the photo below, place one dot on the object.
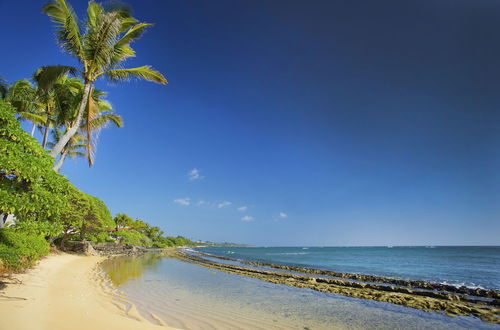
(193, 297)
(457, 265)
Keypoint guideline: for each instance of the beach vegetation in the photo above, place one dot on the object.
(19, 250)
(63, 104)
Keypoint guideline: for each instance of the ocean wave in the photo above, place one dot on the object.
(467, 285)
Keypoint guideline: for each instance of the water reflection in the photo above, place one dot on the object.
(124, 268)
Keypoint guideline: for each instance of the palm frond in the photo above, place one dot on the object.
(73, 154)
(21, 90)
(23, 97)
(66, 24)
(143, 72)
(127, 23)
(133, 33)
(38, 119)
(102, 34)
(122, 49)
(47, 76)
(121, 53)
(94, 10)
(121, 8)
(101, 121)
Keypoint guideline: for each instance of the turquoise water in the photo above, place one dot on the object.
(187, 296)
(469, 266)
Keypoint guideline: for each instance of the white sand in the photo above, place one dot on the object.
(64, 292)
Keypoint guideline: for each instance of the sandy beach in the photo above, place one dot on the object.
(64, 291)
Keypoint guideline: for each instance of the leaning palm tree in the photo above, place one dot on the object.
(101, 47)
(74, 148)
(67, 93)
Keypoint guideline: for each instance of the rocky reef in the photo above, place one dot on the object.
(430, 297)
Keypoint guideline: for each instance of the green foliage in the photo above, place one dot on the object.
(19, 250)
(39, 228)
(132, 237)
(99, 237)
(86, 216)
(122, 220)
(180, 241)
(29, 188)
(139, 232)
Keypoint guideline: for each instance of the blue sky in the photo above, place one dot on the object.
(298, 122)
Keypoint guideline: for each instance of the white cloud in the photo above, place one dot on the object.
(223, 204)
(243, 208)
(247, 218)
(194, 174)
(201, 202)
(283, 215)
(182, 201)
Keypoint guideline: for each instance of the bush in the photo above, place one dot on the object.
(100, 237)
(133, 237)
(19, 250)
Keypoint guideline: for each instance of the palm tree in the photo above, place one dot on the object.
(101, 49)
(103, 116)
(67, 94)
(47, 79)
(36, 102)
(74, 147)
(22, 95)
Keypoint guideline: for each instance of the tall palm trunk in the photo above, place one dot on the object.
(45, 134)
(72, 131)
(47, 124)
(60, 162)
(33, 130)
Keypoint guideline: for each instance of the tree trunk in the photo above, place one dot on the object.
(82, 231)
(60, 162)
(33, 129)
(47, 124)
(72, 131)
(45, 135)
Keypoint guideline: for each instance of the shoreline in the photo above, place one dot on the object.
(66, 291)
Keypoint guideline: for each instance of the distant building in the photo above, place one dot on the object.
(7, 220)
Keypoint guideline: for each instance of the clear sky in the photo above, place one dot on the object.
(305, 122)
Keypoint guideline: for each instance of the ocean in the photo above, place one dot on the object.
(188, 296)
(472, 266)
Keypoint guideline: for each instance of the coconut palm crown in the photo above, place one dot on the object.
(101, 45)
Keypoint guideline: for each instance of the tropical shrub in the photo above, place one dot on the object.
(19, 250)
(86, 217)
(132, 237)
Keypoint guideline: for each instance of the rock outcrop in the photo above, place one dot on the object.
(102, 249)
